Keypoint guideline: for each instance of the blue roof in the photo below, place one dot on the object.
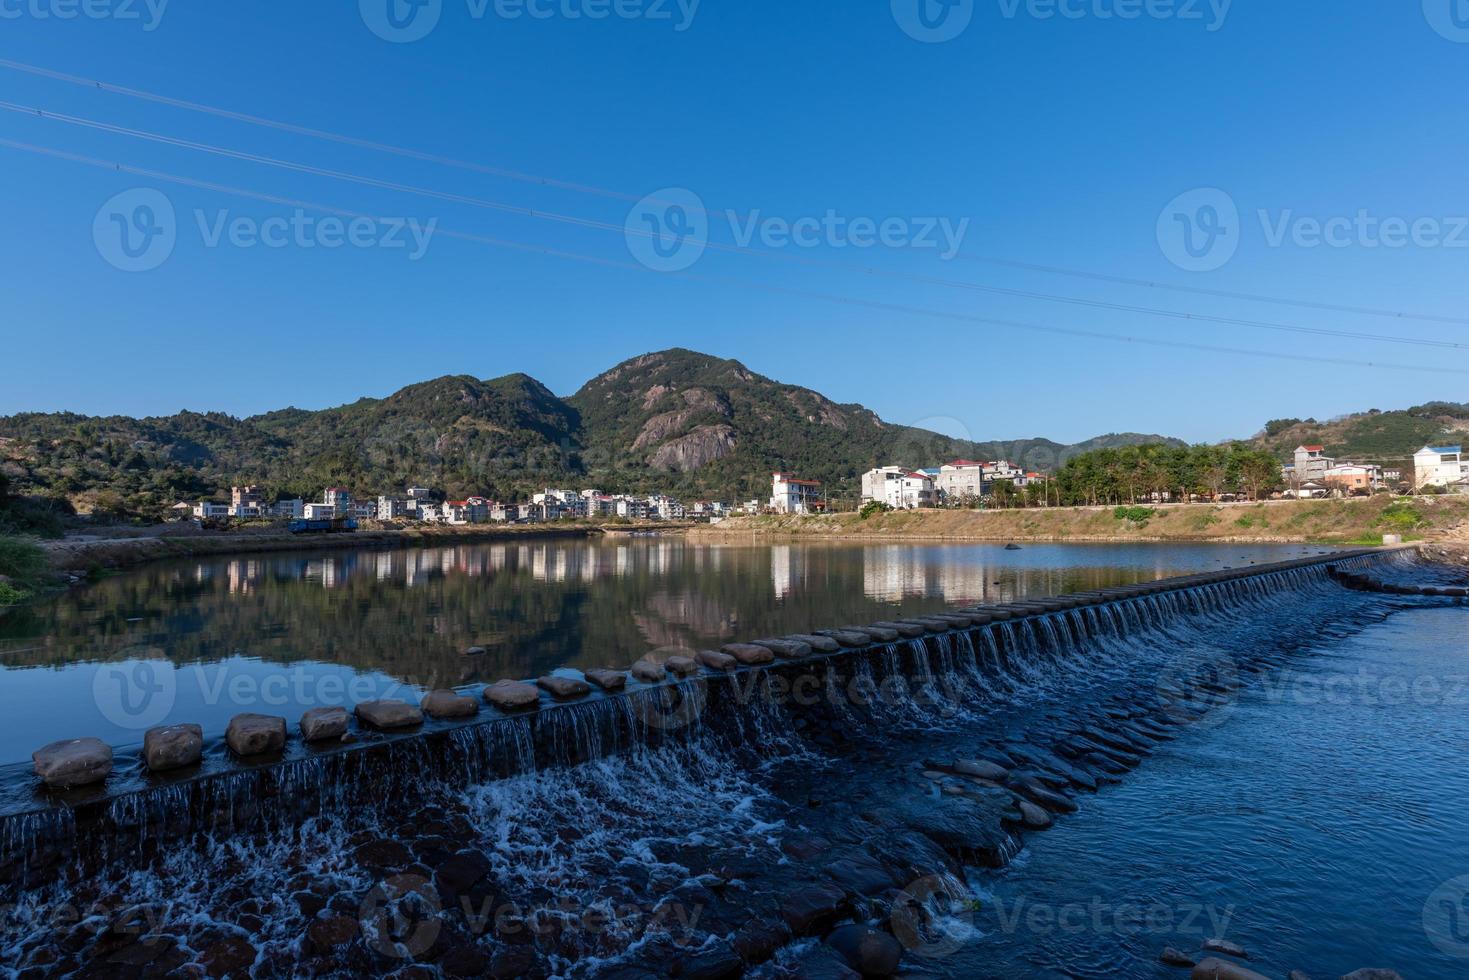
(1444, 449)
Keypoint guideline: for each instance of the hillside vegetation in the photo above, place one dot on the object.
(1373, 436)
(676, 421)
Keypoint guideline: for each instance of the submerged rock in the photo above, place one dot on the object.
(251, 734)
(508, 695)
(869, 951)
(1373, 973)
(1224, 946)
(172, 747)
(389, 714)
(320, 724)
(73, 762)
(1174, 957)
(1214, 968)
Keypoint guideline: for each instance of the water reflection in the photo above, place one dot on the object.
(406, 617)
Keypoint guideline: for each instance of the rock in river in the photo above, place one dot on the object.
(449, 704)
(607, 680)
(320, 724)
(715, 660)
(1214, 968)
(73, 762)
(749, 654)
(563, 688)
(172, 747)
(1224, 946)
(869, 951)
(508, 695)
(389, 714)
(250, 734)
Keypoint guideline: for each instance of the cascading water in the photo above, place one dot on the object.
(677, 818)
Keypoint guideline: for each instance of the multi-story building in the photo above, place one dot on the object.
(248, 501)
(1439, 466)
(320, 512)
(339, 498)
(962, 481)
(1310, 465)
(898, 487)
(288, 509)
(210, 511)
(391, 508)
(789, 495)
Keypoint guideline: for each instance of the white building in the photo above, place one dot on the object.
(961, 481)
(1439, 466)
(789, 495)
(899, 488)
(391, 508)
(319, 512)
(1311, 464)
(210, 511)
(338, 498)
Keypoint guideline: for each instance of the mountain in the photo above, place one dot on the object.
(676, 421)
(1373, 436)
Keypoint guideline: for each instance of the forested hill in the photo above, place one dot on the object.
(1373, 436)
(675, 421)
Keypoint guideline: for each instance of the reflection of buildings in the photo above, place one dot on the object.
(782, 570)
(891, 573)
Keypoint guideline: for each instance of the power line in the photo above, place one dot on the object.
(1019, 325)
(580, 188)
(720, 246)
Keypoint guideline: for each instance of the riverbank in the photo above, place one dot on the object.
(80, 554)
(1354, 521)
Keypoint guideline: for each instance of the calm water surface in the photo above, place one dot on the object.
(200, 640)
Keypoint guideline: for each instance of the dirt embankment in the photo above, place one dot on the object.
(80, 553)
(1354, 521)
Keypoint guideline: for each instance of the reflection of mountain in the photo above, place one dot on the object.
(532, 605)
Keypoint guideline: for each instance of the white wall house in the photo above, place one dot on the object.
(1439, 466)
(319, 512)
(789, 495)
(899, 488)
(962, 480)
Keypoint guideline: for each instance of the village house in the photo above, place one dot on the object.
(1441, 466)
(898, 488)
(248, 501)
(789, 495)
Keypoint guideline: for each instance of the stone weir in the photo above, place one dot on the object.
(394, 753)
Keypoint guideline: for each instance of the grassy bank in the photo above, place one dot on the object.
(22, 568)
(1355, 521)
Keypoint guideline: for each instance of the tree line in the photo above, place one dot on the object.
(1129, 474)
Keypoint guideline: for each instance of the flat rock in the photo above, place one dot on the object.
(859, 873)
(1033, 816)
(820, 644)
(607, 680)
(320, 724)
(1037, 793)
(749, 654)
(715, 660)
(909, 631)
(73, 762)
(172, 747)
(981, 768)
(719, 962)
(786, 649)
(1225, 947)
(508, 695)
(251, 734)
(1174, 957)
(648, 671)
(812, 907)
(881, 634)
(388, 714)
(848, 639)
(869, 951)
(563, 688)
(1214, 968)
(449, 704)
(1373, 973)
(682, 666)
(475, 652)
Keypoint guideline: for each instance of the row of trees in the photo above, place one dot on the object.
(1155, 472)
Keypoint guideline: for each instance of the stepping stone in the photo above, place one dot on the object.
(648, 671)
(607, 680)
(878, 633)
(73, 762)
(320, 724)
(910, 631)
(250, 734)
(682, 666)
(1214, 968)
(715, 660)
(508, 695)
(786, 649)
(448, 704)
(848, 639)
(172, 747)
(821, 644)
(563, 688)
(749, 654)
(388, 714)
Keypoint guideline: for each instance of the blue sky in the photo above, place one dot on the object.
(1051, 140)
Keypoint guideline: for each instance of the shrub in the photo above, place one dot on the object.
(873, 507)
(1401, 516)
(21, 559)
(1138, 515)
